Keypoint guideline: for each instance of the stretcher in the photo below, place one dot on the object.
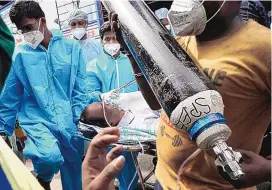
(88, 132)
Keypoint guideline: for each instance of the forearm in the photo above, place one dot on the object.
(8, 121)
(79, 102)
(147, 92)
(10, 103)
(94, 87)
(79, 93)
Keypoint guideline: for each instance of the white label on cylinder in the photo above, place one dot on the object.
(196, 107)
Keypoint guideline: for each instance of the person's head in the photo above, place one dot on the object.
(162, 16)
(223, 11)
(78, 23)
(29, 17)
(109, 41)
(221, 16)
(202, 17)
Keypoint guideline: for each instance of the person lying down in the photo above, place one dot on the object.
(128, 111)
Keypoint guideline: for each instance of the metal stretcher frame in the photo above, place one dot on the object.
(149, 148)
(134, 150)
(143, 180)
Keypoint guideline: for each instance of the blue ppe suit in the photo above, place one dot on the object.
(91, 49)
(106, 74)
(46, 89)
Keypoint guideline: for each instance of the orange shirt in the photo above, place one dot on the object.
(239, 65)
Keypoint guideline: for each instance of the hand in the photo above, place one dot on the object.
(113, 19)
(143, 84)
(99, 168)
(256, 168)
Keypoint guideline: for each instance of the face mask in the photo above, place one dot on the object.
(112, 49)
(188, 17)
(34, 38)
(78, 33)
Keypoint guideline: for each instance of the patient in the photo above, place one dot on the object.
(130, 113)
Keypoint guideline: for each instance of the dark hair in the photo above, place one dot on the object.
(106, 27)
(28, 9)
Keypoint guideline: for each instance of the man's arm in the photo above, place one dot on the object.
(94, 87)
(257, 170)
(146, 91)
(79, 93)
(10, 102)
(143, 84)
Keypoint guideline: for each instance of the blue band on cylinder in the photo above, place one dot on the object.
(204, 123)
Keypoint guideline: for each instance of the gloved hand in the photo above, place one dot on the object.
(111, 98)
(144, 86)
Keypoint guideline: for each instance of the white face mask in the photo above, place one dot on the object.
(78, 33)
(112, 49)
(188, 17)
(34, 38)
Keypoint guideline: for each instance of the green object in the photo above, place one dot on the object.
(7, 45)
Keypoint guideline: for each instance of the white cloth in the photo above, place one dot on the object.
(140, 123)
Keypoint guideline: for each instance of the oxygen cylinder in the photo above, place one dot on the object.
(185, 93)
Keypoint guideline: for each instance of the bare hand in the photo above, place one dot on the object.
(99, 168)
(113, 19)
(144, 86)
(256, 168)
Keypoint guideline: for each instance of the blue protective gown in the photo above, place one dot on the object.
(106, 74)
(91, 49)
(46, 89)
